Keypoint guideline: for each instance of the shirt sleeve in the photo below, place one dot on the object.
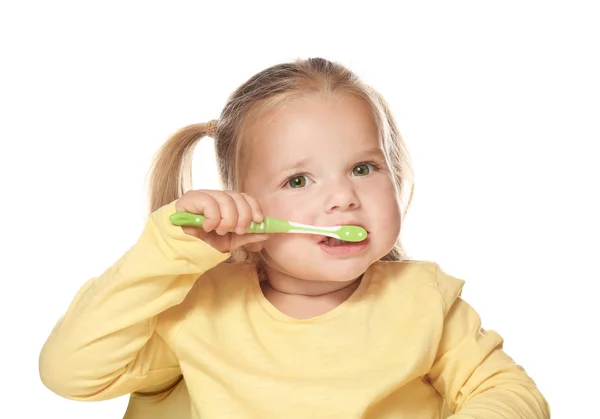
(106, 345)
(471, 370)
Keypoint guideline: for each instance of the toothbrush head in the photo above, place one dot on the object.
(349, 233)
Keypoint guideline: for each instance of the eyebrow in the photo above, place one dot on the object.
(372, 152)
(362, 155)
(292, 167)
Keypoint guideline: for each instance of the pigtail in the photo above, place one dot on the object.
(171, 173)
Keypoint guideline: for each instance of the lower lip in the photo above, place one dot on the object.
(345, 249)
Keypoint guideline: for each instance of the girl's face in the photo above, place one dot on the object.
(318, 160)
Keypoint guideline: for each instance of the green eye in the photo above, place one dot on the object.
(297, 182)
(362, 169)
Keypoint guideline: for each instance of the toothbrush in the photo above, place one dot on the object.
(274, 225)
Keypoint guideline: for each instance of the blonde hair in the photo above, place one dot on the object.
(170, 175)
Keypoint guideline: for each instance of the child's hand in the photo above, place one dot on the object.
(224, 211)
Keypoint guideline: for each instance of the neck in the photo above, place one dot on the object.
(340, 288)
(300, 287)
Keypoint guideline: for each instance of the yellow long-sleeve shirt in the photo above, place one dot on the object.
(399, 346)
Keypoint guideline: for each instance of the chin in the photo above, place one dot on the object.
(345, 270)
(340, 270)
(312, 263)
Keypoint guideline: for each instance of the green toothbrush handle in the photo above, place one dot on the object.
(196, 220)
(275, 225)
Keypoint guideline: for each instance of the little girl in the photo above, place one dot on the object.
(212, 323)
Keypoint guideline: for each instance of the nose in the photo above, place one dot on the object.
(341, 196)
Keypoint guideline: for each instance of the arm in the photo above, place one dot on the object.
(478, 379)
(106, 344)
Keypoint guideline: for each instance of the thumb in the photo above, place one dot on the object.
(249, 238)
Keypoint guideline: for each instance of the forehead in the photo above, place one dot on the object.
(328, 126)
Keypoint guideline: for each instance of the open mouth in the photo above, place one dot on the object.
(331, 242)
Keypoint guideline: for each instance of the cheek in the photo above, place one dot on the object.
(289, 207)
(380, 200)
(382, 193)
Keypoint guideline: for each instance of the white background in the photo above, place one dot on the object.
(499, 103)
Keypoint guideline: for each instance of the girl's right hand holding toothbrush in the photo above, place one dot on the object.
(224, 211)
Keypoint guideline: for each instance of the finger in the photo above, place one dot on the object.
(202, 202)
(257, 215)
(244, 212)
(229, 213)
